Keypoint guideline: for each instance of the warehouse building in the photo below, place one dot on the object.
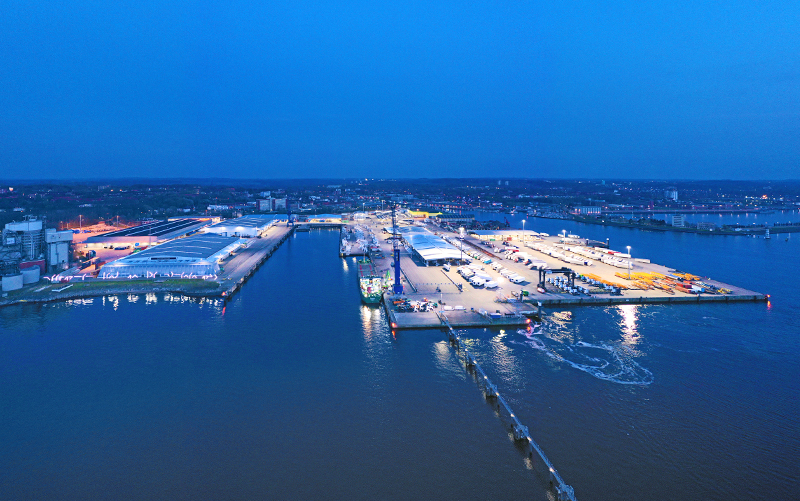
(197, 256)
(430, 248)
(147, 234)
(455, 219)
(244, 227)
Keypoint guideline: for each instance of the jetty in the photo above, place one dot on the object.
(520, 432)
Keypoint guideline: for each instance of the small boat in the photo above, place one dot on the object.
(540, 290)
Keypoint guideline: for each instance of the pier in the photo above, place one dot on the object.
(564, 492)
(512, 304)
(242, 266)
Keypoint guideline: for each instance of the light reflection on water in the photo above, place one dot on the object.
(629, 316)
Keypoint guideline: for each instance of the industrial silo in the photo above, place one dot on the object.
(30, 275)
(12, 282)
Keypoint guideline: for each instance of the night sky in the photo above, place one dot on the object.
(246, 89)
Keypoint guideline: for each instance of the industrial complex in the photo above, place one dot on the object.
(28, 250)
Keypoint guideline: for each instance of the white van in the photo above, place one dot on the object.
(507, 273)
(517, 279)
(477, 282)
(491, 284)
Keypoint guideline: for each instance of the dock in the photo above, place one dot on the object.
(241, 266)
(432, 289)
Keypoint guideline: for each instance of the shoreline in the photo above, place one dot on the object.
(777, 230)
(129, 287)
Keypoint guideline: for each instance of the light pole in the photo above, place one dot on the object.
(523, 233)
(629, 262)
(80, 222)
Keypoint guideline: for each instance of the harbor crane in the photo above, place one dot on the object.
(398, 286)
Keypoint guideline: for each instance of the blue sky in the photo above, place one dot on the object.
(245, 89)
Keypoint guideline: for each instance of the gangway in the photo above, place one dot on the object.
(564, 492)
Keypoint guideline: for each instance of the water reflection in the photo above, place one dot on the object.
(503, 358)
(629, 314)
(370, 318)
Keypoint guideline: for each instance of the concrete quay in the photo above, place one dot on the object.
(473, 307)
(241, 266)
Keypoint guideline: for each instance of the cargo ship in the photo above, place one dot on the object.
(371, 283)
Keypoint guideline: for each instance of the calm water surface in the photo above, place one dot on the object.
(294, 390)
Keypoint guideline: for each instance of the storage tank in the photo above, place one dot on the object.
(12, 282)
(30, 275)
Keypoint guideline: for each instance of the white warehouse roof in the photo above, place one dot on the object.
(195, 255)
(431, 247)
(247, 226)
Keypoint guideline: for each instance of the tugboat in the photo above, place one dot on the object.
(371, 283)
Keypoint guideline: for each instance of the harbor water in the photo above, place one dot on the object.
(295, 390)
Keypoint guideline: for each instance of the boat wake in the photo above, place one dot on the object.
(609, 362)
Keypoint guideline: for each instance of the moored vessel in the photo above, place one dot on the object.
(371, 283)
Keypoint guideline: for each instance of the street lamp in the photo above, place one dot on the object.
(523, 232)
(629, 262)
(80, 222)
